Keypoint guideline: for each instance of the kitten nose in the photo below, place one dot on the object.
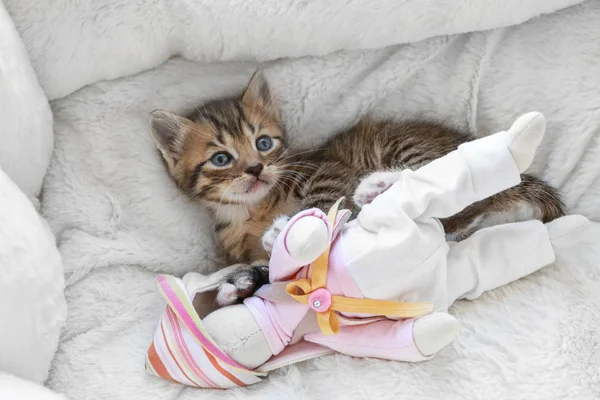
(255, 170)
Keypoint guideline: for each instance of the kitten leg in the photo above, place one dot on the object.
(332, 181)
(248, 278)
(268, 238)
(242, 283)
(373, 185)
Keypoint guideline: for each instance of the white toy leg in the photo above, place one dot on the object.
(433, 332)
(524, 136)
(236, 332)
(440, 189)
(496, 256)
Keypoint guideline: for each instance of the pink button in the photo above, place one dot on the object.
(320, 300)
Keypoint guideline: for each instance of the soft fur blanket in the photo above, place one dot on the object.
(119, 219)
(32, 303)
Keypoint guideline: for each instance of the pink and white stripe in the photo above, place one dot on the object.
(182, 350)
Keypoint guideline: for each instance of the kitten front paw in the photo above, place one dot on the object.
(269, 237)
(241, 284)
(373, 185)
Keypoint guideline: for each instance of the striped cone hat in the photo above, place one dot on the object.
(182, 350)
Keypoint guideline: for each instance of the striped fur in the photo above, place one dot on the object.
(245, 206)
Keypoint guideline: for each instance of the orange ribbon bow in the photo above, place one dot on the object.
(314, 293)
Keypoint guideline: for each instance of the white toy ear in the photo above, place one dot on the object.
(307, 239)
(342, 217)
(196, 282)
(202, 289)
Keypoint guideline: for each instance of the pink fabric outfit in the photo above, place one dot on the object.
(396, 250)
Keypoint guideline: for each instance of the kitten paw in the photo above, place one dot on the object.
(241, 284)
(373, 185)
(269, 237)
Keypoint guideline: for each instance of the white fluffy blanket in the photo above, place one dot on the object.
(120, 220)
(32, 303)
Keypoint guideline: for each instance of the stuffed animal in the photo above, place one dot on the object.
(378, 286)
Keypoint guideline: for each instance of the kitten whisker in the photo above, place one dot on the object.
(298, 154)
(301, 164)
(297, 180)
(281, 188)
(197, 194)
(294, 174)
(222, 196)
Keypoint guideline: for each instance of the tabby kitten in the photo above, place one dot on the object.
(231, 155)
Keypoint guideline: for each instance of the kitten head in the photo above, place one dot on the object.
(228, 151)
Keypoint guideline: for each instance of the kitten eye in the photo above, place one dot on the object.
(264, 143)
(221, 159)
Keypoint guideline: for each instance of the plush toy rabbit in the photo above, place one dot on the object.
(380, 285)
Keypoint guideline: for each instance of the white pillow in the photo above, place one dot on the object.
(32, 302)
(26, 133)
(13, 388)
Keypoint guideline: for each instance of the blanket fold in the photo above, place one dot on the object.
(73, 43)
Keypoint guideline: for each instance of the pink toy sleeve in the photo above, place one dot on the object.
(394, 341)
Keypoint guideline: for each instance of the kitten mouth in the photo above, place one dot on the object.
(256, 185)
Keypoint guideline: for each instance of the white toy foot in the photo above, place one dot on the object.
(307, 239)
(568, 230)
(433, 332)
(236, 332)
(373, 185)
(524, 136)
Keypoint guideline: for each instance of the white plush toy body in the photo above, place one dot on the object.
(394, 251)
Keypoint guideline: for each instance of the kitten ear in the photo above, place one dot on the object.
(169, 131)
(257, 94)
